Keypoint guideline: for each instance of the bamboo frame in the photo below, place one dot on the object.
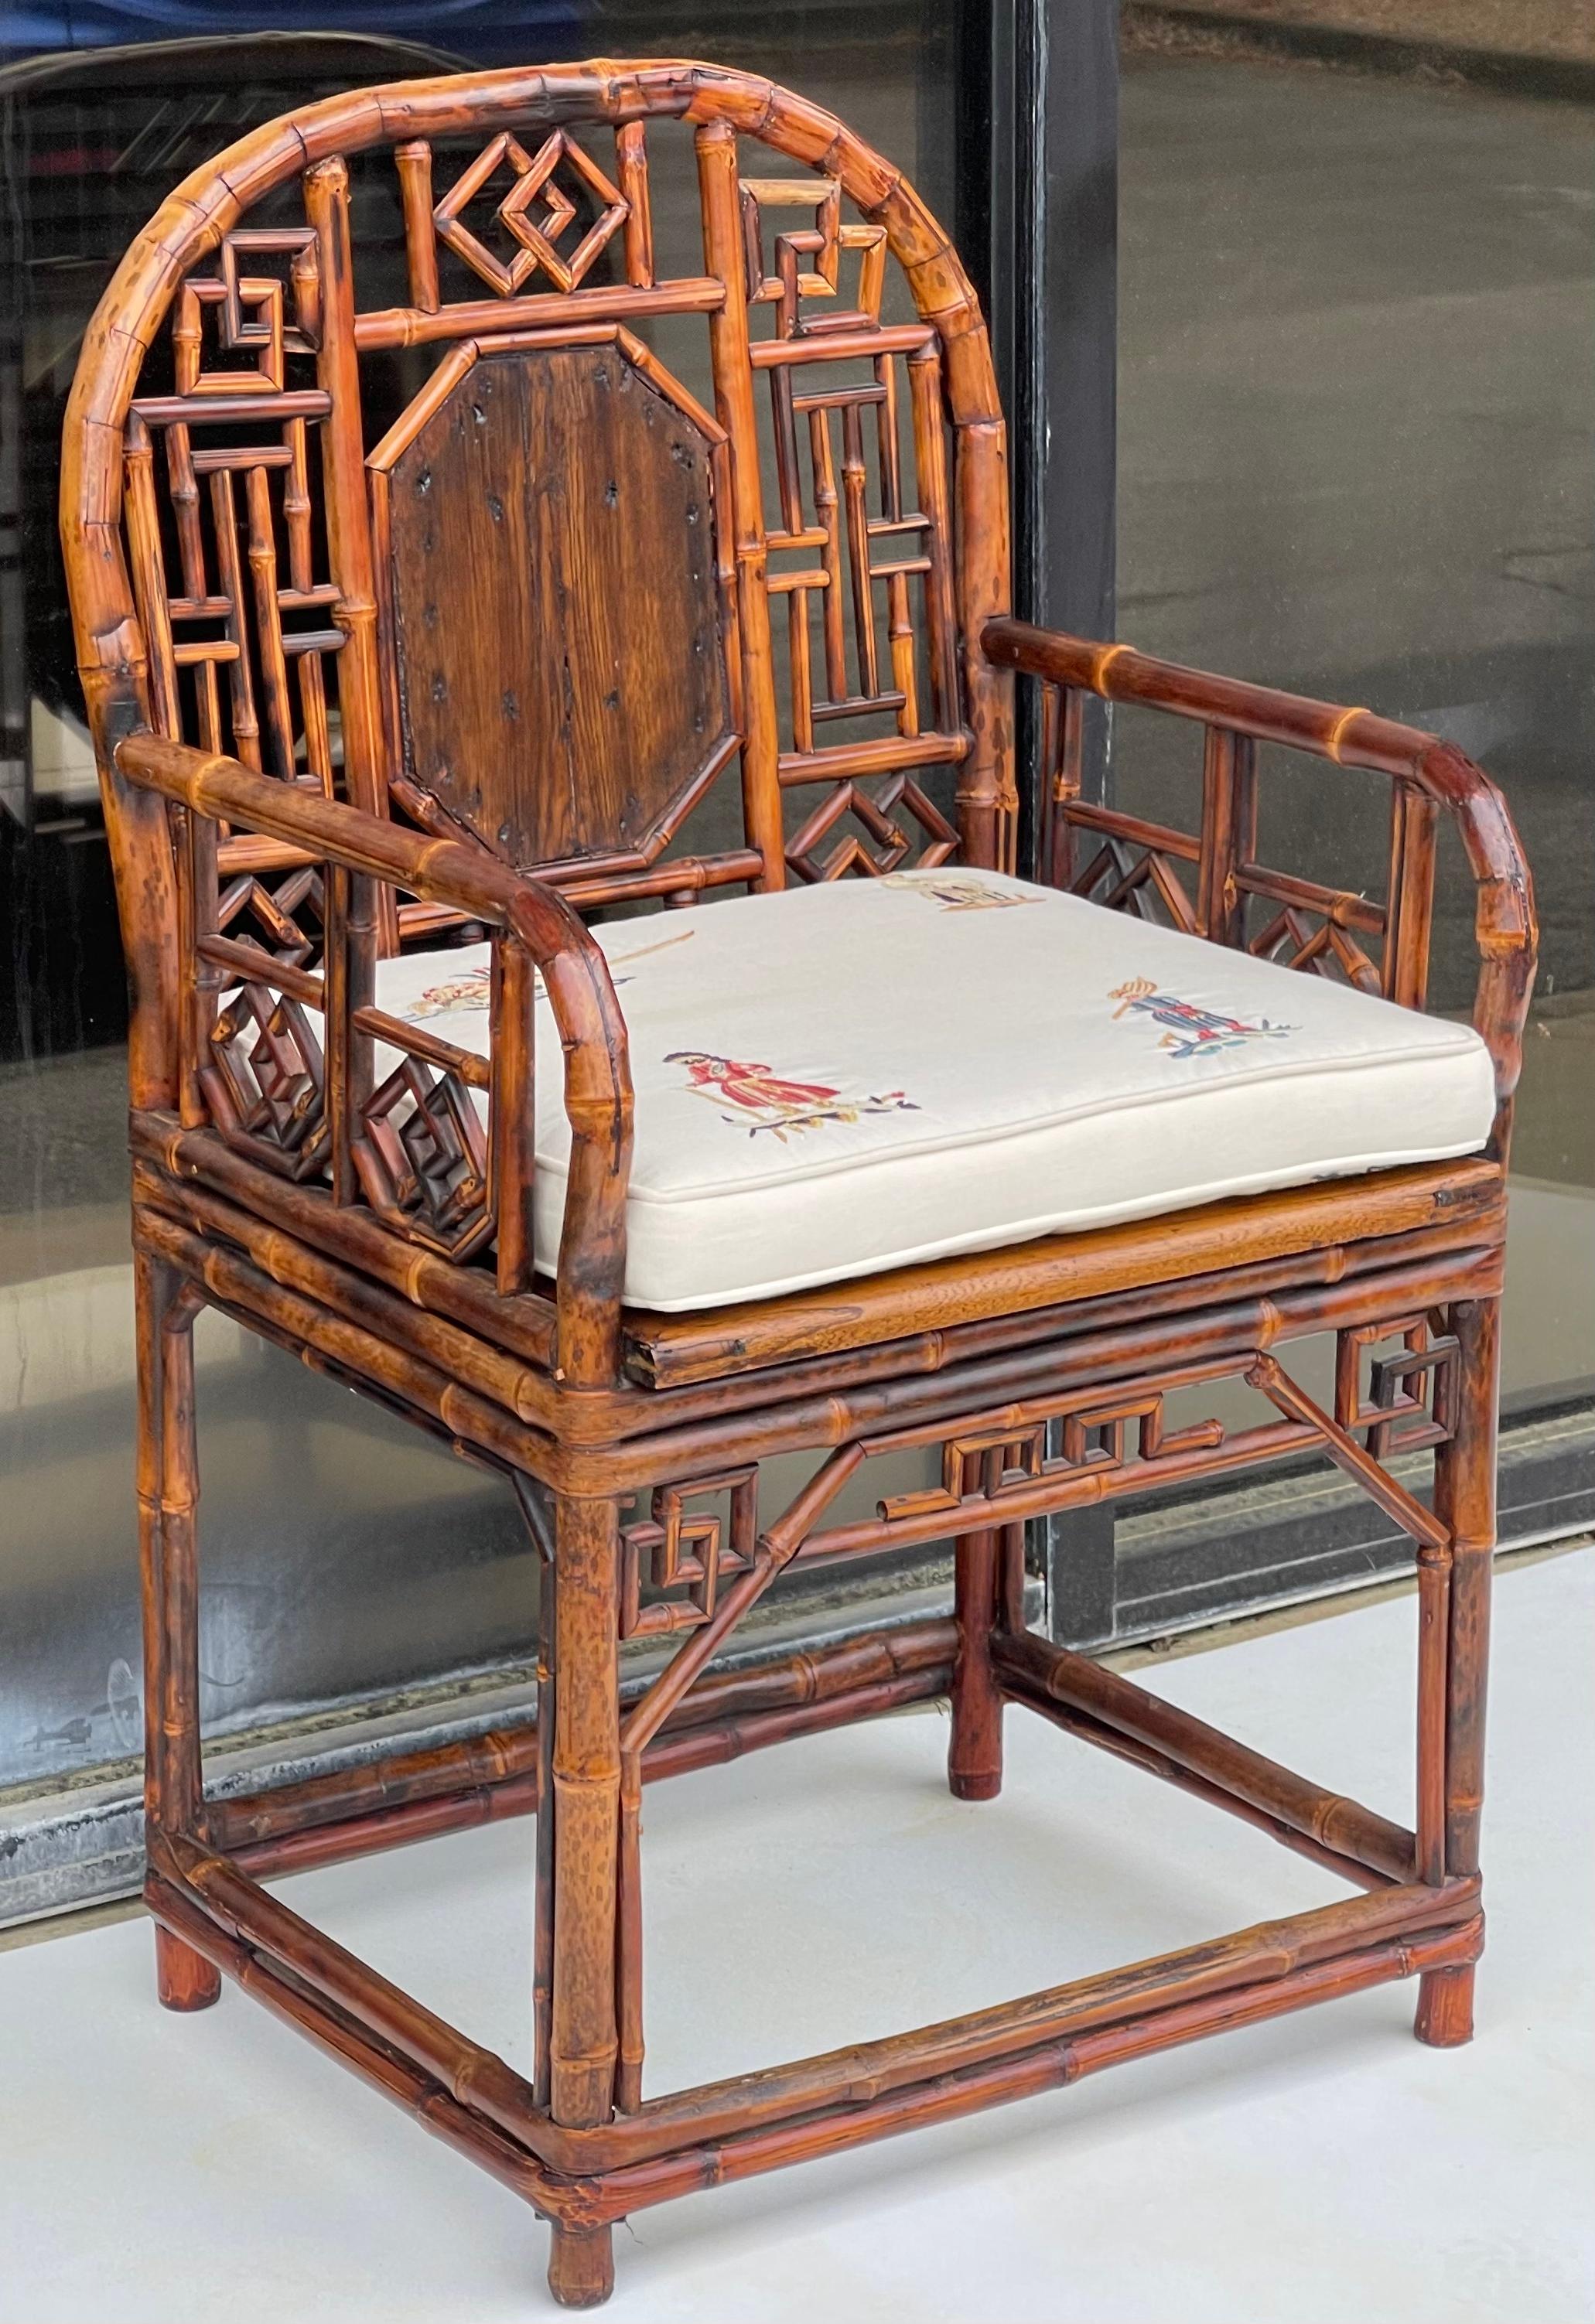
(635, 1443)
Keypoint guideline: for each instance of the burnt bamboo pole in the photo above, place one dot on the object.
(1048, 2066)
(168, 1490)
(473, 2076)
(513, 1115)
(593, 2201)
(1238, 1971)
(734, 407)
(712, 1743)
(1434, 1581)
(1343, 1450)
(524, 1324)
(351, 2043)
(630, 2047)
(1465, 1497)
(527, 1392)
(584, 1780)
(736, 1699)
(1079, 1267)
(974, 1744)
(1112, 1740)
(1239, 1968)
(236, 1284)
(469, 1417)
(538, 1778)
(348, 526)
(1336, 1823)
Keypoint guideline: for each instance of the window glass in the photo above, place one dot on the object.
(1357, 402)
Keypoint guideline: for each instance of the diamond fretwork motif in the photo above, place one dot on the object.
(285, 920)
(421, 1158)
(1142, 882)
(266, 1082)
(1294, 940)
(532, 179)
(885, 819)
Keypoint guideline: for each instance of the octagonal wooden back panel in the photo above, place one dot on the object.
(388, 481)
(546, 520)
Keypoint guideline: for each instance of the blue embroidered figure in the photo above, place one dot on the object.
(1190, 1031)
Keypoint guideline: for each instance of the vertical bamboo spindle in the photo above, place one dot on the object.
(1228, 833)
(585, 1776)
(514, 1123)
(975, 1750)
(1464, 1500)
(413, 161)
(628, 2076)
(581, 2269)
(348, 529)
(733, 406)
(166, 1493)
(1413, 838)
(1434, 1658)
(542, 1925)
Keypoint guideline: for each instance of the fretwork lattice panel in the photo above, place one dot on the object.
(1216, 880)
(837, 563)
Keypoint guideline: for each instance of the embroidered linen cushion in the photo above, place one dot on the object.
(860, 1075)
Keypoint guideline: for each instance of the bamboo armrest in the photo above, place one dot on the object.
(468, 880)
(1426, 766)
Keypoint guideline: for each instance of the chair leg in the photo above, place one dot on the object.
(184, 1980)
(974, 1752)
(585, 1785)
(581, 2265)
(1464, 1496)
(167, 1496)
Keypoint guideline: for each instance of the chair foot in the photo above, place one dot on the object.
(1445, 2007)
(581, 2265)
(973, 1786)
(184, 1980)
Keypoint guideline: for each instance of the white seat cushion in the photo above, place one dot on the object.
(860, 1075)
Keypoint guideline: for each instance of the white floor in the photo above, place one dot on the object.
(1320, 2169)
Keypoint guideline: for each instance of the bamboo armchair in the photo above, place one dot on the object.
(269, 505)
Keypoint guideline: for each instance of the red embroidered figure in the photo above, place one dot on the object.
(780, 1105)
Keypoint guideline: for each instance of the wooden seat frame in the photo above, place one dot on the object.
(1036, 1376)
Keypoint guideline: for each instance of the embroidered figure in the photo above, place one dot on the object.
(1190, 1031)
(471, 991)
(778, 1105)
(956, 892)
(475, 988)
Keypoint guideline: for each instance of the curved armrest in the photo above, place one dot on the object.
(1504, 920)
(575, 974)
